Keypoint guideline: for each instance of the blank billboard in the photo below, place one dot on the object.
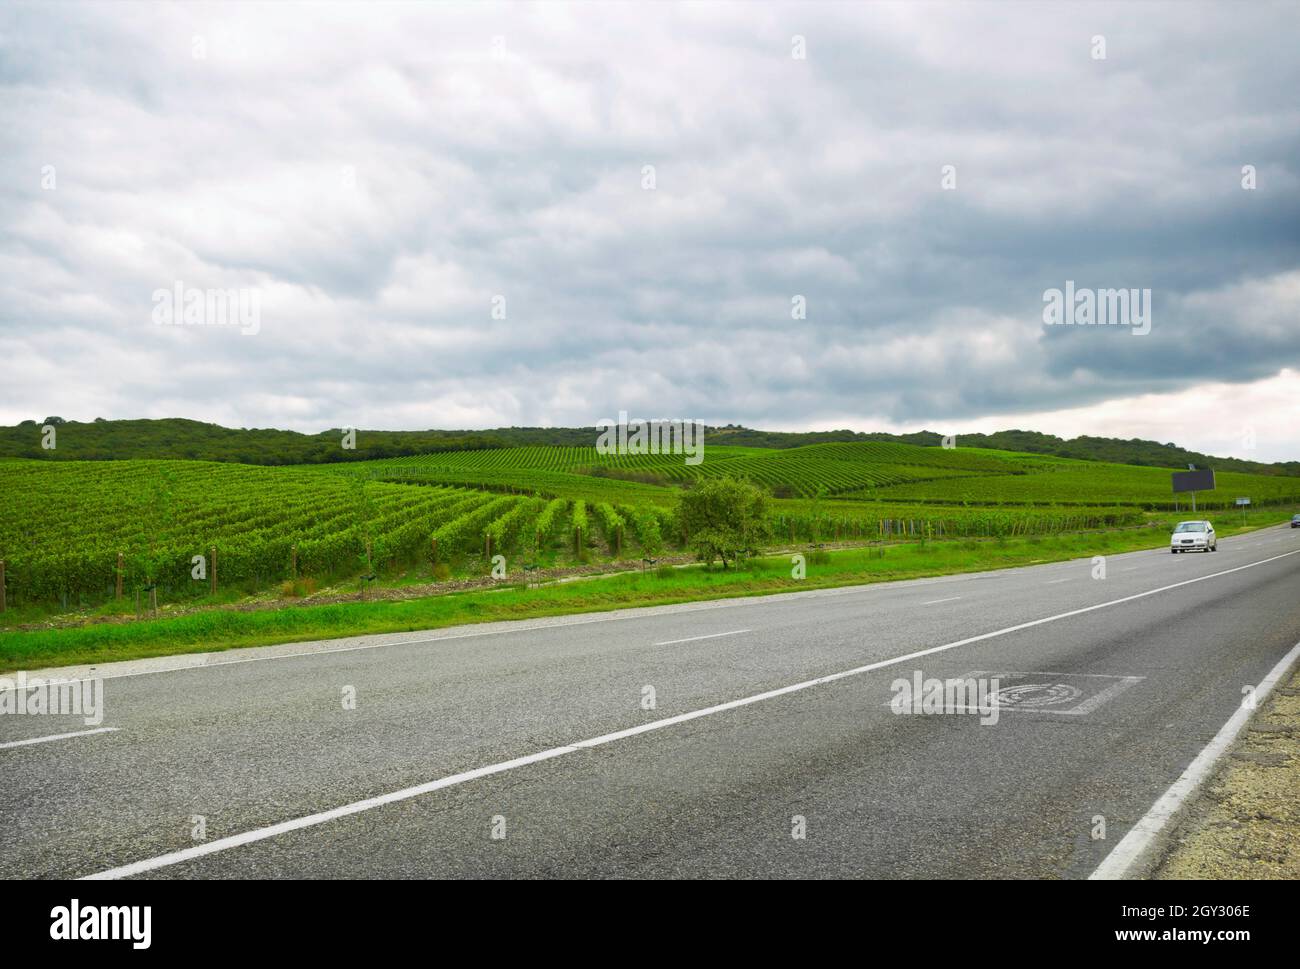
(1193, 481)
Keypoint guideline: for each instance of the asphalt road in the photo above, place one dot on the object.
(1106, 708)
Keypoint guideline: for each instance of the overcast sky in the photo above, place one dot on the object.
(382, 177)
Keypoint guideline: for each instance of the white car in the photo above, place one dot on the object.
(1193, 537)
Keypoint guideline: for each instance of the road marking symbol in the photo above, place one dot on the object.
(1044, 697)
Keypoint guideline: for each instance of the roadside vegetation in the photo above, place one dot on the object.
(237, 622)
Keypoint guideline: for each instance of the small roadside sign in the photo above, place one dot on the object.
(1243, 501)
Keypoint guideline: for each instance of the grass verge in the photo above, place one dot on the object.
(225, 629)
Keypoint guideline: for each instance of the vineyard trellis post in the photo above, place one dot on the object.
(3, 604)
(121, 570)
(212, 556)
(293, 563)
(370, 573)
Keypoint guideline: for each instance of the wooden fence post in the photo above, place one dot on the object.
(121, 568)
(212, 554)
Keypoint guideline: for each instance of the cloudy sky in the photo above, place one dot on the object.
(472, 216)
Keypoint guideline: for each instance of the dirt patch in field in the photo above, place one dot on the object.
(1246, 823)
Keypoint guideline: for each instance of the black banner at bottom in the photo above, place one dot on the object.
(156, 918)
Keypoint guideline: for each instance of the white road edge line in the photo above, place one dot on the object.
(311, 820)
(58, 736)
(1126, 856)
(691, 639)
(933, 601)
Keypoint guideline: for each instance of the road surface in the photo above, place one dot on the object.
(530, 749)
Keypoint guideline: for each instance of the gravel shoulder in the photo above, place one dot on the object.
(1246, 823)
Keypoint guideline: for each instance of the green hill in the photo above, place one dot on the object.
(178, 438)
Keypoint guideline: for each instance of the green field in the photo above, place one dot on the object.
(74, 532)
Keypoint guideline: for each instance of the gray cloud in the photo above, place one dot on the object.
(379, 175)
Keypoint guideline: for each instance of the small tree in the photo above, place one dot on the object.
(724, 517)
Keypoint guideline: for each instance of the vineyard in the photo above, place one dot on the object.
(187, 528)
(805, 471)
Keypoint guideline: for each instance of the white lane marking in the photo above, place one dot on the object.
(1131, 568)
(933, 601)
(1124, 858)
(261, 834)
(1056, 581)
(691, 639)
(57, 736)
